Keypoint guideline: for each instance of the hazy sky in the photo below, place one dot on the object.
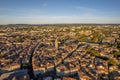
(59, 11)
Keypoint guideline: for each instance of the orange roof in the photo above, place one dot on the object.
(68, 78)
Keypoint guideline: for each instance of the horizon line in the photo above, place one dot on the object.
(55, 23)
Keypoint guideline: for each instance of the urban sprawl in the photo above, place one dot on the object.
(61, 52)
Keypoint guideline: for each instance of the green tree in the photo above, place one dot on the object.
(1, 55)
(112, 62)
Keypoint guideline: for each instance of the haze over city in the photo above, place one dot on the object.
(59, 11)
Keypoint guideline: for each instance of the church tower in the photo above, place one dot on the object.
(56, 43)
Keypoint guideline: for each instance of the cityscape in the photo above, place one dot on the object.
(60, 52)
(59, 39)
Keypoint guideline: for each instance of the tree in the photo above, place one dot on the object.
(1, 55)
(112, 62)
(88, 48)
(116, 54)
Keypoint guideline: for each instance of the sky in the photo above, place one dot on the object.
(59, 11)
